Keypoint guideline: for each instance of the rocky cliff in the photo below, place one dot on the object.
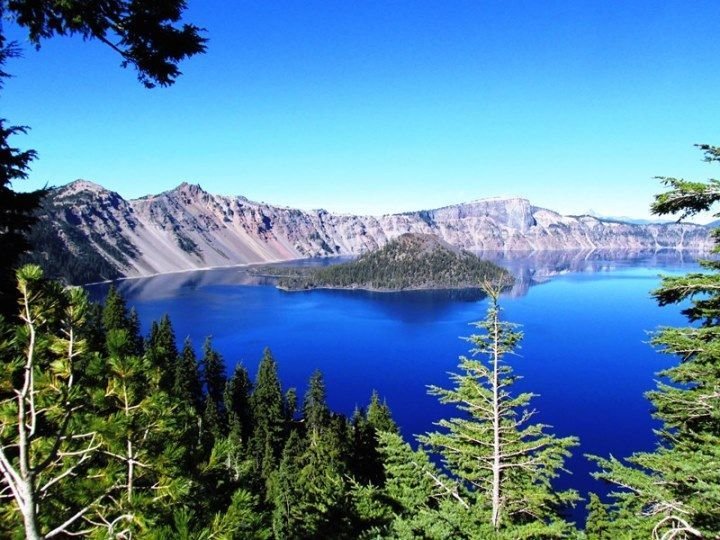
(188, 228)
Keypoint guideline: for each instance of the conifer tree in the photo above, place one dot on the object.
(290, 405)
(365, 460)
(379, 415)
(503, 459)
(214, 414)
(47, 444)
(287, 515)
(315, 410)
(141, 433)
(597, 526)
(187, 384)
(115, 312)
(162, 350)
(416, 501)
(309, 490)
(266, 403)
(115, 316)
(237, 403)
(674, 491)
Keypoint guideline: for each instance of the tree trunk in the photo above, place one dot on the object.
(496, 428)
(29, 514)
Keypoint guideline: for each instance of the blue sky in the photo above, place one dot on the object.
(383, 106)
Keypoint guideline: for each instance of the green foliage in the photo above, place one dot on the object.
(379, 415)
(237, 404)
(504, 461)
(140, 427)
(17, 210)
(143, 33)
(162, 351)
(366, 462)
(46, 450)
(266, 403)
(214, 415)
(674, 492)
(187, 383)
(410, 262)
(598, 525)
(315, 409)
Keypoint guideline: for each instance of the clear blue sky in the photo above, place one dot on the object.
(381, 106)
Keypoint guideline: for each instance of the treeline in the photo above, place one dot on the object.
(412, 261)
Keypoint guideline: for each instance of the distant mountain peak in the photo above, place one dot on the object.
(80, 185)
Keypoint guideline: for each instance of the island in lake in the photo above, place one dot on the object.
(412, 261)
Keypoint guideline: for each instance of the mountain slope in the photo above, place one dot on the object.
(188, 228)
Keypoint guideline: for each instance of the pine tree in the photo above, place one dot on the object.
(17, 209)
(365, 460)
(379, 415)
(597, 526)
(287, 516)
(237, 403)
(503, 459)
(290, 405)
(215, 380)
(674, 491)
(47, 444)
(142, 433)
(315, 410)
(115, 316)
(266, 402)
(115, 312)
(416, 501)
(187, 383)
(308, 489)
(162, 351)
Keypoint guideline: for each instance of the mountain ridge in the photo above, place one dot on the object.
(188, 228)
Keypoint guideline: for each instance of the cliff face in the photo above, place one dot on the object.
(188, 228)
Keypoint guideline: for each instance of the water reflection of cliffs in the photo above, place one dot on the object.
(529, 268)
(534, 268)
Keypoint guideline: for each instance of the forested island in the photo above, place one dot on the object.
(410, 262)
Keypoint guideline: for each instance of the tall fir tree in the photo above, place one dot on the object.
(162, 351)
(316, 413)
(379, 415)
(116, 316)
(674, 491)
(237, 403)
(115, 312)
(504, 460)
(267, 410)
(213, 368)
(187, 382)
(365, 461)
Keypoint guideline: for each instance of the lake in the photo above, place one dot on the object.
(586, 318)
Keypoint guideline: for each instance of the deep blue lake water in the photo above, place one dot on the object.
(586, 319)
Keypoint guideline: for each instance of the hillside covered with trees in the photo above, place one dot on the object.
(411, 261)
